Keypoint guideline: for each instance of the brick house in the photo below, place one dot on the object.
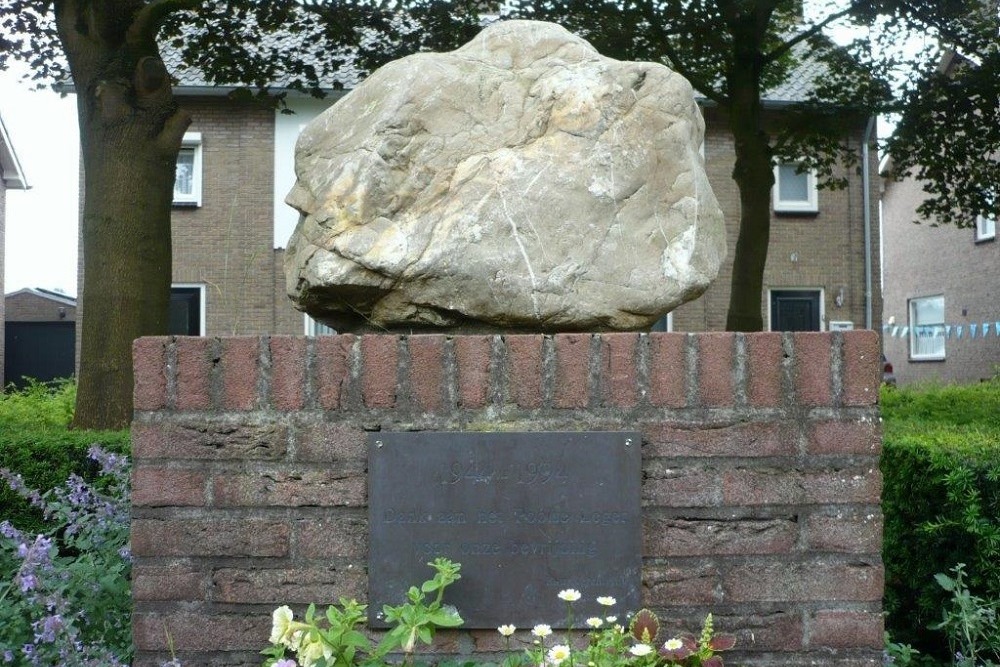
(11, 178)
(40, 335)
(941, 291)
(230, 224)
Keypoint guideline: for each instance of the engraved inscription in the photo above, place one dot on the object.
(527, 514)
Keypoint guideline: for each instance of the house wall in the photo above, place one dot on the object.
(760, 480)
(823, 250)
(923, 260)
(28, 307)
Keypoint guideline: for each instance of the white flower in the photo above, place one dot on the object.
(673, 644)
(607, 601)
(611, 619)
(558, 653)
(595, 622)
(281, 620)
(569, 595)
(311, 651)
(541, 630)
(506, 630)
(639, 650)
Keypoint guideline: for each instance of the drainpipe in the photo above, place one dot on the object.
(866, 197)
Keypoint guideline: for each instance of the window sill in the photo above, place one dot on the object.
(922, 360)
(186, 204)
(989, 239)
(796, 212)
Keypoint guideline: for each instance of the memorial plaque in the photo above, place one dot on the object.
(526, 514)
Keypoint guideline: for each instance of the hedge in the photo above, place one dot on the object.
(941, 500)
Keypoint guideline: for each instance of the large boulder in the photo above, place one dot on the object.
(521, 182)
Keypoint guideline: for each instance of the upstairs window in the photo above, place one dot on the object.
(986, 228)
(794, 189)
(187, 179)
(927, 328)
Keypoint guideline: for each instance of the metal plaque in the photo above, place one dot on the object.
(526, 514)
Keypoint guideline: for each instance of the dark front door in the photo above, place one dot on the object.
(185, 311)
(40, 350)
(795, 310)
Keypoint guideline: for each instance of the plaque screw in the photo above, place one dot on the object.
(378, 443)
(628, 442)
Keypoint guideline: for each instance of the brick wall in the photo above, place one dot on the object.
(760, 487)
(24, 306)
(922, 260)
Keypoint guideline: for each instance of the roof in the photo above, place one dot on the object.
(58, 297)
(13, 175)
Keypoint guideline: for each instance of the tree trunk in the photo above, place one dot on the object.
(130, 134)
(754, 178)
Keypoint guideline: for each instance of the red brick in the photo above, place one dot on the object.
(715, 368)
(194, 373)
(680, 487)
(763, 369)
(847, 531)
(167, 582)
(841, 629)
(288, 585)
(209, 440)
(288, 372)
(572, 370)
(205, 631)
(765, 631)
(670, 537)
(743, 439)
(814, 581)
(331, 537)
(668, 370)
(672, 585)
(525, 369)
(149, 361)
(812, 368)
(332, 369)
(862, 368)
(769, 486)
(209, 537)
(157, 486)
(281, 488)
(379, 361)
(472, 356)
(427, 370)
(240, 373)
(329, 442)
(843, 438)
(619, 369)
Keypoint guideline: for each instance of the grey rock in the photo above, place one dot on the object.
(521, 182)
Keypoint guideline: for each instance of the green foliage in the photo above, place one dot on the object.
(970, 623)
(337, 642)
(941, 499)
(36, 443)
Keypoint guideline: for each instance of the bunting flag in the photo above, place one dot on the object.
(976, 331)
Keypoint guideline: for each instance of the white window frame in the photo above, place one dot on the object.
(808, 205)
(986, 228)
(314, 328)
(191, 140)
(202, 294)
(913, 325)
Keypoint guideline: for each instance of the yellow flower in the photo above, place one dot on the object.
(558, 653)
(506, 630)
(281, 621)
(607, 601)
(569, 595)
(311, 651)
(595, 622)
(541, 630)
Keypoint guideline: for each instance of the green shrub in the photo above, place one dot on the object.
(39, 405)
(941, 499)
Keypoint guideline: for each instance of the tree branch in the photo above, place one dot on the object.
(149, 19)
(802, 36)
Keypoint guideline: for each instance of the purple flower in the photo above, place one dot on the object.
(29, 582)
(49, 625)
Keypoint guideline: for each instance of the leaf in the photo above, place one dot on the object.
(945, 582)
(714, 661)
(722, 642)
(645, 626)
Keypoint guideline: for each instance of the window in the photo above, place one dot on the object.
(314, 328)
(927, 328)
(794, 190)
(187, 310)
(665, 323)
(986, 228)
(187, 181)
